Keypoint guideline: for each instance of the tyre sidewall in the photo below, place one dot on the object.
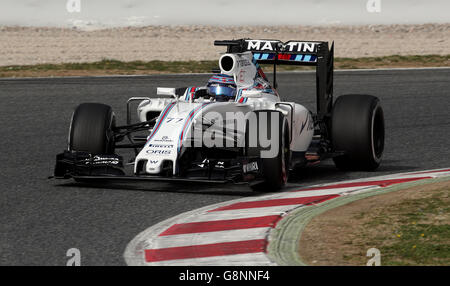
(91, 129)
(353, 121)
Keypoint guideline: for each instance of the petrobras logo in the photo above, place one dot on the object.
(290, 46)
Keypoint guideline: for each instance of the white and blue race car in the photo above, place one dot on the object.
(235, 128)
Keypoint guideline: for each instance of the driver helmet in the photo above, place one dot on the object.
(222, 87)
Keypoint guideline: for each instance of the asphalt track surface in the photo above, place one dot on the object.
(40, 219)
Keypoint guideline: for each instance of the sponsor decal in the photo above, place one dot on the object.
(260, 45)
(290, 46)
(159, 152)
(250, 167)
(160, 146)
(163, 139)
(97, 160)
(243, 63)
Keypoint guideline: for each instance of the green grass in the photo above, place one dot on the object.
(414, 249)
(111, 66)
(416, 236)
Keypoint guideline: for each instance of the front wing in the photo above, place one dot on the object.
(83, 166)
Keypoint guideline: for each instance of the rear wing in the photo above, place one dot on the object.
(305, 53)
(274, 51)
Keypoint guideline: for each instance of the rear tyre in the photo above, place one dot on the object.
(91, 129)
(275, 169)
(358, 130)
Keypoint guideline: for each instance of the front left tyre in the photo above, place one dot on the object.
(91, 129)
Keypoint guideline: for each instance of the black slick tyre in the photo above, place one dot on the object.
(91, 129)
(358, 131)
(275, 169)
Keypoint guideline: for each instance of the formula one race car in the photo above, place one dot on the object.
(233, 129)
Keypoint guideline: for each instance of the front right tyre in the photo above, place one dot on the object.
(275, 168)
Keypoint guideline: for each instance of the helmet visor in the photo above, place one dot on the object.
(222, 91)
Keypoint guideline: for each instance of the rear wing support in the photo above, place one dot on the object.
(324, 80)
